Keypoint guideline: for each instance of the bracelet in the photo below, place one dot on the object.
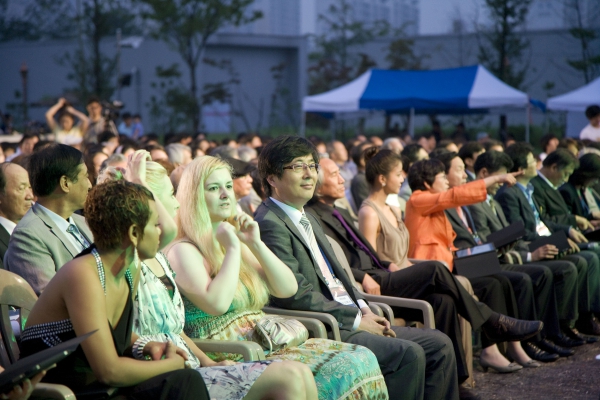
(138, 348)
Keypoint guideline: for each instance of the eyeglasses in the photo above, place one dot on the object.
(298, 168)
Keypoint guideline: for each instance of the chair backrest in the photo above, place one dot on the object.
(341, 257)
(14, 292)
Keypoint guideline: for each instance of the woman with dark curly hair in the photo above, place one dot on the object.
(94, 292)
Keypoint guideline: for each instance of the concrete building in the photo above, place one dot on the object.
(257, 102)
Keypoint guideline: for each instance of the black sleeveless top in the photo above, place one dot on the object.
(75, 371)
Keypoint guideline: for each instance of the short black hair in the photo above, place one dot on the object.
(563, 158)
(126, 115)
(545, 140)
(469, 149)
(493, 161)
(491, 143)
(446, 159)
(592, 111)
(410, 152)
(589, 168)
(3, 166)
(356, 153)
(28, 136)
(93, 99)
(280, 151)
(435, 153)
(106, 136)
(518, 153)
(423, 172)
(48, 165)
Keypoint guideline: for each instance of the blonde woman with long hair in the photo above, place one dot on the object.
(225, 274)
(159, 314)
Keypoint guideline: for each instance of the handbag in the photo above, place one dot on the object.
(274, 333)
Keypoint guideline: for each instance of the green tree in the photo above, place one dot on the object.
(401, 54)
(501, 45)
(589, 63)
(51, 19)
(187, 25)
(334, 62)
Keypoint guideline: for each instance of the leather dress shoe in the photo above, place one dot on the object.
(547, 345)
(565, 341)
(573, 333)
(502, 328)
(589, 326)
(535, 353)
(467, 394)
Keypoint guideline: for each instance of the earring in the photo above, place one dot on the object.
(383, 184)
(136, 258)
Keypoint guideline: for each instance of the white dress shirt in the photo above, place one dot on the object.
(296, 215)
(63, 225)
(8, 225)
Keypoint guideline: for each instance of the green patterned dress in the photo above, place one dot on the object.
(341, 370)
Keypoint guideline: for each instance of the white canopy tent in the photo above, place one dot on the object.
(575, 103)
(461, 90)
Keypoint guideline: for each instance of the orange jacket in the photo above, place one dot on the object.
(431, 235)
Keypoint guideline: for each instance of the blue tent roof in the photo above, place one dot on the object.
(455, 90)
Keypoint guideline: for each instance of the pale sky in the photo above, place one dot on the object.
(436, 15)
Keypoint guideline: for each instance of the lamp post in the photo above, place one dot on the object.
(24, 71)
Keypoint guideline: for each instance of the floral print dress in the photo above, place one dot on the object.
(341, 370)
(159, 316)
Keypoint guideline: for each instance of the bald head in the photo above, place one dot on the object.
(16, 195)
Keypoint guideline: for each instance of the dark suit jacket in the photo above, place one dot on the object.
(4, 238)
(360, 262)
(516, 207)
(551, 204)
(359, 188)
(571, 198)
(486, 222)
(464, 239)
(280, 234)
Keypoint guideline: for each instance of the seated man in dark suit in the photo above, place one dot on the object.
(415, 362)
(50, 234)
(430, 281)
(556, 170)
(15, 200)
(562, 303)
(519, 204)
(516, 280)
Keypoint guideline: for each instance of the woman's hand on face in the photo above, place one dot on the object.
(227, 235)
(248, 231)
(136, 167)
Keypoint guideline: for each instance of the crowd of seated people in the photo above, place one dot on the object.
(156, 245)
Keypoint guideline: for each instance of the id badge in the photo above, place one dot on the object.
(341, 296)
(542, 229)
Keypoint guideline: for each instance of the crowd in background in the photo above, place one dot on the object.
(245, 221)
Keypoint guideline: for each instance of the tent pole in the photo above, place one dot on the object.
(527, 122)
(411, 123)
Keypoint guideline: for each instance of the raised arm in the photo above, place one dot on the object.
(136, 173)
(426, 203)
(84, 120)
(52, 112)
(211, 295)
(279, 278)
(86, 306)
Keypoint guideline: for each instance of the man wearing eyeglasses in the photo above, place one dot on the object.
(416, 363)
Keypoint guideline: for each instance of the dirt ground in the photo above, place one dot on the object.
(576, 377)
